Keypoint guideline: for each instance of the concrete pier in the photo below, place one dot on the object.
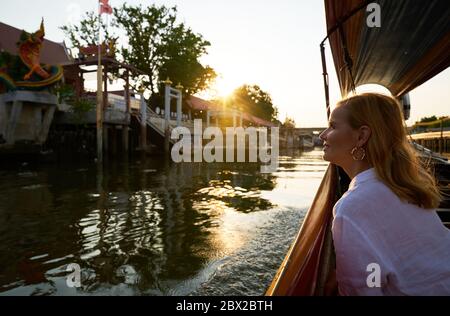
(26, 116)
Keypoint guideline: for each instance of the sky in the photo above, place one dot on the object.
(274, 44)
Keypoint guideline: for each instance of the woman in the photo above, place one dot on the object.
(388, 238)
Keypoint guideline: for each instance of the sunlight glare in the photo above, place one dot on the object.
(374, 88)
(223, 87)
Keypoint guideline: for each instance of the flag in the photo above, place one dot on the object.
(105, 7)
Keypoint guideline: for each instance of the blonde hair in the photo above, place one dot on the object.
(388, 150)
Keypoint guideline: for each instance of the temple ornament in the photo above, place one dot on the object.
(25, 72)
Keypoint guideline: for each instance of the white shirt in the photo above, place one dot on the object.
(409, 244)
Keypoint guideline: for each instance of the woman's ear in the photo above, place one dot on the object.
(364, 135)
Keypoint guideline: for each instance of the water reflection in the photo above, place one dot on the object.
(150, 227)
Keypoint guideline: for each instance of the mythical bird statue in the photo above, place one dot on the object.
(25, 72)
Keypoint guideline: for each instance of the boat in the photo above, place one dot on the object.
(411, 47)
(308, 143)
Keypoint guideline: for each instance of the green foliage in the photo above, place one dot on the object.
(155, 43)
(83, 105)
(432, 122)
(289, 123)
(86, 33)
(65, 92)
(80, 107)
(180, 63)
(428, 119)
(162, 48)
(255, 101)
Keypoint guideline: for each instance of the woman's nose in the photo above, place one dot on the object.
(323, 135)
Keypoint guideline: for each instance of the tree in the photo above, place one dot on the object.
(180, 63)
(434, 122)
(428, 119)
(155, 44)
(289, 123)
(86, 33)
(256, 102)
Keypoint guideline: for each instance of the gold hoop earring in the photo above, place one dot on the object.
(360, 155)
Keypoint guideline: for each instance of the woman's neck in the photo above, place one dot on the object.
(357, 167)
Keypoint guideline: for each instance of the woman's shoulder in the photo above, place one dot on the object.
(365, 197)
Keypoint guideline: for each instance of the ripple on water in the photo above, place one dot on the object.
(198, 230)
(250, 270)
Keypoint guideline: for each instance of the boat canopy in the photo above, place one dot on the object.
(411, 46)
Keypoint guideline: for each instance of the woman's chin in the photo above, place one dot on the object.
(330, 159)
(326, 156)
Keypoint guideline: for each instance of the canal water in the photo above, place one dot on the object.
(150, 227)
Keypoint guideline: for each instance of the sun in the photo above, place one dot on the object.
(222, 87)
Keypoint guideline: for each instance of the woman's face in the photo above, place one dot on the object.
(339, 139)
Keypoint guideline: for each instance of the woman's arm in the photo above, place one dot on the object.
(360, 268)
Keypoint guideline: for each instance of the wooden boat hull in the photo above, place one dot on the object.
(309, 262)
